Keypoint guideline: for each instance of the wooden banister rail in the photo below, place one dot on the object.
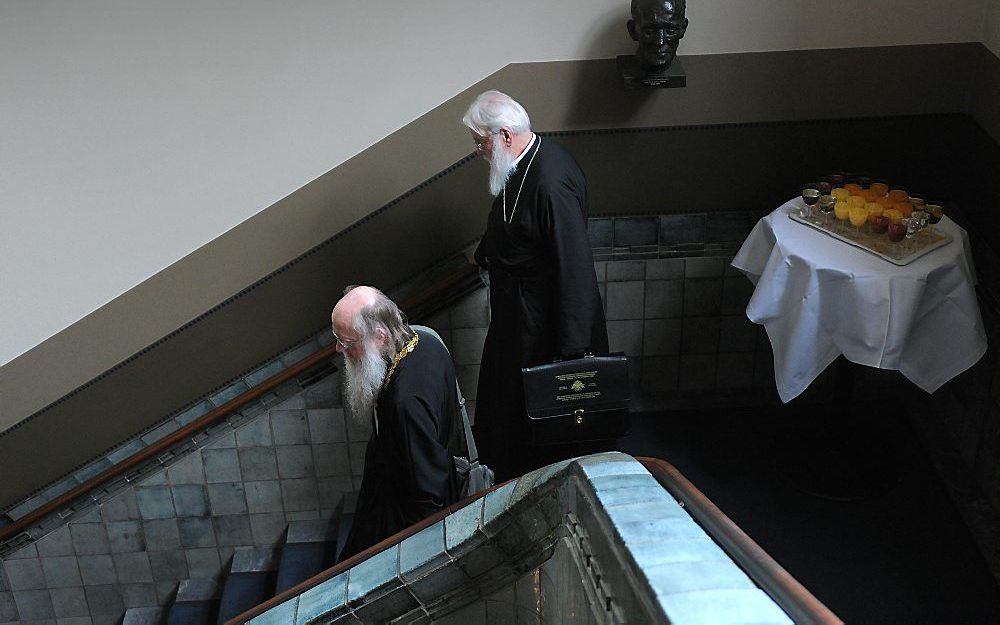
(786, 591)
(358, 558)
(455, 280)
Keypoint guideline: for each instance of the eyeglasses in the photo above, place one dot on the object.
(482, 141)
(344, 343)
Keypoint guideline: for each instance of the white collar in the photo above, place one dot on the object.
(524, 151)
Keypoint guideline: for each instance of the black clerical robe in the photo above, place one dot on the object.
(409, 472)
(544, 299)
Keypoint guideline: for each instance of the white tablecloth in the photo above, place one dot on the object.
(818, 297)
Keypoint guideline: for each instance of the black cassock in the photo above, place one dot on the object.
(408, 466)
(544, 301)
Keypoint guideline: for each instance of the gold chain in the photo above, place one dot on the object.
(399, 357)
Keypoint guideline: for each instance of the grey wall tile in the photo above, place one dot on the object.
(190, 500)
(8, 609)
(626, 270)
(221, 465)
(168, 566)
(156, 478)
(225, 441)
(126, 536)
(33, 604)
(467, 345)
(332, 489)
(90, 514)
(700, 335)
(736, 294)
(105, 600)
(258, 463)
(660, 374)
(90, 538)
(661, 337)
(263, 496)
(192, 413)
(735, 370)
(257, 432)
(599, 231)
(665, 269)
(196, 532)
(155, 502)
(625, 300)
(227, 498)
(161, 534)
(133, 567)
(468, 380)
(601, 270)
(69, 602)
(625, 336)
(678, 229)
(61, 571)
(629, 231)
(331, 460)
(228, 392)
(25, 574)
(267, 528)
(289, 427)
(698, 372)
(327, 425)
(734, 226)
(231, 531)
(57, 543)
(138, 595)
(472, 311)
(4, 584)
(357, 451)
(358, 430)
(324, 394)
(294, 461)
(705, 267)
(187, 470)
(702, 296)
(122, 507)
(97, 570)
(737, 334)
(28, 551)
(299, 494)
(664, 298)
(203, 563)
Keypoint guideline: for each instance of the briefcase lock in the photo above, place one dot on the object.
(579, 416)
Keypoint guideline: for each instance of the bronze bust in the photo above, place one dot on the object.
(658, 26)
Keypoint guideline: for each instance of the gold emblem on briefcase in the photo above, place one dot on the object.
(578, 386)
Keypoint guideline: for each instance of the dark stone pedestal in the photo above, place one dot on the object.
(633, 77)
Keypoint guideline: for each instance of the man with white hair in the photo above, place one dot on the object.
(543, 290)
(402, 382)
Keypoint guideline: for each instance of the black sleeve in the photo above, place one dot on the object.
(426, 463)
(575, 281)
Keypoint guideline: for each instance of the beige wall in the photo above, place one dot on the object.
(991, 26)
(138, 132)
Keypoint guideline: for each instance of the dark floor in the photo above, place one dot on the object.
(903, 556)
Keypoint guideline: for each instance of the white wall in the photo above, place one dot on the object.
(133, 132)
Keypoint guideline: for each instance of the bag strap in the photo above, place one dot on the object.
(470, 442)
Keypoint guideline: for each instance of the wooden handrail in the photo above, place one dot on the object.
(466, 274)
(358, 558)
(786, 591)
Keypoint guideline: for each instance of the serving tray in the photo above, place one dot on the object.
(902, 253)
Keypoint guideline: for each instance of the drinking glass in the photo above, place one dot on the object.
(826, 203)
(810, 197)
(858, 216)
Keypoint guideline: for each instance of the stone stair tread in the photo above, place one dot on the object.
(197, 590)
(144, 616)
(254, 560)
(312, 531)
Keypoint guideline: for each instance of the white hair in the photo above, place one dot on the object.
(493, 110)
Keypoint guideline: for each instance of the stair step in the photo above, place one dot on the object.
(197, 603)
(311, 547)
(348, 505)
(144, 616)
(250, 581)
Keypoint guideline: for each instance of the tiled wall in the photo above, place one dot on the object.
(293, 461)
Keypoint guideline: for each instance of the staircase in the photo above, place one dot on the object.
(255, 575)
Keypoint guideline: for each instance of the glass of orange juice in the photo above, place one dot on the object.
(898, 195)
(853, 188)
(856, 200)
(879, 189)
(894, 215)
(874, 208)
(840, 193)
(858, 215)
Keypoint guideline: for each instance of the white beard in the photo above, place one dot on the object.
(501, 166)
(362, 381)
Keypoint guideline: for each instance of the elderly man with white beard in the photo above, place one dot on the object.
(544, 301)
(402, 382)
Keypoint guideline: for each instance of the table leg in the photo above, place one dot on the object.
(842, 450)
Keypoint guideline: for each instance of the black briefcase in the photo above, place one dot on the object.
(585, 399)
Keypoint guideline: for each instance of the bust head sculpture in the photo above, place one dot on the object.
(658, 26)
